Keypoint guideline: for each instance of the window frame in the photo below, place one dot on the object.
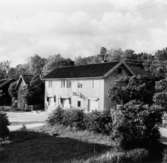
(68, 83)
(79, 85)
(63, 83)
(50, 83)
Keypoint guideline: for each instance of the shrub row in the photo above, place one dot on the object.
(97, 122)
(130, 126)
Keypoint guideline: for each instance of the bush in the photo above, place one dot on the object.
(56, 117)
(4, 131)
(98, 122)
(74, 118)
(135, 125)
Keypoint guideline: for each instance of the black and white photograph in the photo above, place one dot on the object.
(83, 81)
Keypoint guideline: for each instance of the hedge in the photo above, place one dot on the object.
(130, 126)
(97, 122)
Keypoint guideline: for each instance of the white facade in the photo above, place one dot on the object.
(87, 94)
(84, 93)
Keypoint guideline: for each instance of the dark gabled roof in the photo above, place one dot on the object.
(93, 70)
(2, 81)
(24, 77)
(6, 83)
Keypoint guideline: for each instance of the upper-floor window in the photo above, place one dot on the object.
(93, 84)
(50, 84)
(63, 84)
(79, 85)
(68, 84)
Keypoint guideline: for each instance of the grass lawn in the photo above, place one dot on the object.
(37, 147)
(63, 145)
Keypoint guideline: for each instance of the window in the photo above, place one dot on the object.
(63, 84)
(50, 84)
(48, 100)
(79, 103)
(79, 85)
(54, 98)
(68, 84)
(92, 83)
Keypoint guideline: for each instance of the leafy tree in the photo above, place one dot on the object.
(4, 67)
(4, 131)
(36, 64)
(161, 54)
(34, 95)
(133, 88)
(56, 61)
(22, 69)
(13, 73)
(160, 97)
(135, 125)
(12, 90)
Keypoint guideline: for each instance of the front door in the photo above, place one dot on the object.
(92, 105)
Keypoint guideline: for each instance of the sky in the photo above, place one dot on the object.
(79, 27)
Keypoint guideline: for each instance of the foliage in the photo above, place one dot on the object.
(13, 73)
(160, 97)
(73, 118)
(135, 125)
(4, 131)
(98, 122)
(56, 61)
(161, 54)
(22, 69)
(133, 88)
(4, 67)
(34, 95)
(36, 64)
(137, 155)
(56, 117)
(161, 85)
(13, 90)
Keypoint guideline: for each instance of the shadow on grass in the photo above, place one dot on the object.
(29, 146)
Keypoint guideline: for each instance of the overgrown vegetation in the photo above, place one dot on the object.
(4, 131)
(133, 125)
(96, 121)
(136, 125)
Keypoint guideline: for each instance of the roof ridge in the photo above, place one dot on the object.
(86, 65)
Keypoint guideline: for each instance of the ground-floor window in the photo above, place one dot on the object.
(79, 104)
(93, 104)
(65, 102)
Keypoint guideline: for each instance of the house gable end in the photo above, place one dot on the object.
(119, 65)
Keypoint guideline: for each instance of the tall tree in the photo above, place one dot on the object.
(56, 61)
(34, 95)
(36, 64)
(161, 54)
(4, 68)
(133, 88)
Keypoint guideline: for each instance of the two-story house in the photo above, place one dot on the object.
(86, 86)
